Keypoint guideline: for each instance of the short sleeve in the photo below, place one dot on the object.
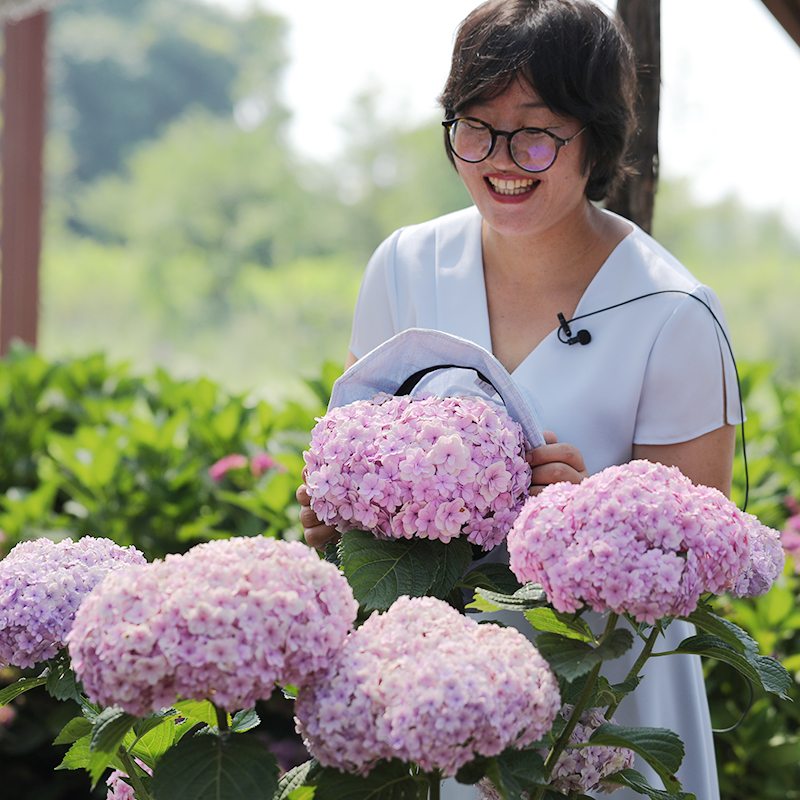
(690, 385)
(375, 317)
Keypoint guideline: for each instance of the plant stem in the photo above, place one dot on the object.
(436, 785)
(222, 720)
(139, 792)
(638, 664)
(563, 739)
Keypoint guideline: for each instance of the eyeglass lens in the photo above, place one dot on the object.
(472, 141)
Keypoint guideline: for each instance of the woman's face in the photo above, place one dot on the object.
(537, 201)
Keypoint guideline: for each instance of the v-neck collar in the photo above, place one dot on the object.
(462, 305)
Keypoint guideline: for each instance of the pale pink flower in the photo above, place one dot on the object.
(219, 469)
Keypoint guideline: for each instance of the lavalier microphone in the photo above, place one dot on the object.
(581, 337)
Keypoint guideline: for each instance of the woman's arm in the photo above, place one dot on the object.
(706, 460)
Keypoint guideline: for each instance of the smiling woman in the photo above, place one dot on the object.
(536, 248)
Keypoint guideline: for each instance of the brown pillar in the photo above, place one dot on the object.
(635, 199)
(22, 149)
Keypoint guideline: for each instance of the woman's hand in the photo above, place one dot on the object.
(316, 533)
(554, 461)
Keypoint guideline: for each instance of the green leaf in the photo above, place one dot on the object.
(61, 681)
(79, 755)
(244, 720)
(390, 780)
(572, 658)
(75, 729)
(520, 771)
(295, 779)
(662, 749)
(529, 596)
(766, 671)
(22, 685)
(552, 621)
(381, 571)
(228, 767)
(200, 710)
(110, 729)
(730, 633)
(636, 781)
(151, 745)
(494, 577)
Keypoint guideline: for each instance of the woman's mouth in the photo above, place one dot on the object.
(511, 186)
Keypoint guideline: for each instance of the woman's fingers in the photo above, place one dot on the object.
(554, 462)
(315, 532)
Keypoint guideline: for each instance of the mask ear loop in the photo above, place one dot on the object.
(730, 351)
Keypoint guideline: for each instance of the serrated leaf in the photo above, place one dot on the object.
(302, 793)
(22, 685)
(296, 779)
(529, 596)
(571, 658)
(230, 767)
(453, 560)
(662, 749)
(494, 577)
(61, 682)
(387, 781)
(729, 632)
(636, 781)
(200, 710)
(110, 729)
(473, 771)
(767, 672)
(75, 729)
(150, 746)
(381, 571)
(520, 771)
(244, 721)
(78, 755)
(552, 621)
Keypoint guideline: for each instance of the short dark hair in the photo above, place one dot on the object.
(577, 58)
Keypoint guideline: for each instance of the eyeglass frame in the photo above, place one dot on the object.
(559, 141)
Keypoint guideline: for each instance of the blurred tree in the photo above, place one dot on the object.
(123, 70)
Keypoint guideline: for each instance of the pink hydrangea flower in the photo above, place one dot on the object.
(637, 538)
(42, 584)
(374, 463)
(261, 462)
(118, 789)
(223, 622)
(767, 560)
(426, 685)
(219, 469)
(584, 770)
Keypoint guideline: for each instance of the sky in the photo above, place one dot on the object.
(730, 104)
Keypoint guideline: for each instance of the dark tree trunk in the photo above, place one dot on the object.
(635, 197)
(22, 148)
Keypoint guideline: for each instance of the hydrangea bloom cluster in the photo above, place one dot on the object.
(584, 770)
(426, 685)
(767, 560)
(222, 622)
(425, 466)
(637, 538)
(42, 583)
(118, 789)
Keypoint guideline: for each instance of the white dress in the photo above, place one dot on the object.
(657, 371)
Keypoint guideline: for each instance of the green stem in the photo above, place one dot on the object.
(222, 720)
(578, 709)
(435, 785)
(647, 651)
(139, 792)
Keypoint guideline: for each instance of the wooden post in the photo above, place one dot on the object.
(22, 149)
(635, 198)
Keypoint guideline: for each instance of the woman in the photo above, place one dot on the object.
(538, 117)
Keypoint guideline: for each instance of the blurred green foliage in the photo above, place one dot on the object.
(89, 449)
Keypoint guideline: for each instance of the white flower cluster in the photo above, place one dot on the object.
(222, 622)
(424, 684)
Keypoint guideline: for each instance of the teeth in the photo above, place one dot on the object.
(516, 186)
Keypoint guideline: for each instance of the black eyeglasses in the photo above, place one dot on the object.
(531, 149)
